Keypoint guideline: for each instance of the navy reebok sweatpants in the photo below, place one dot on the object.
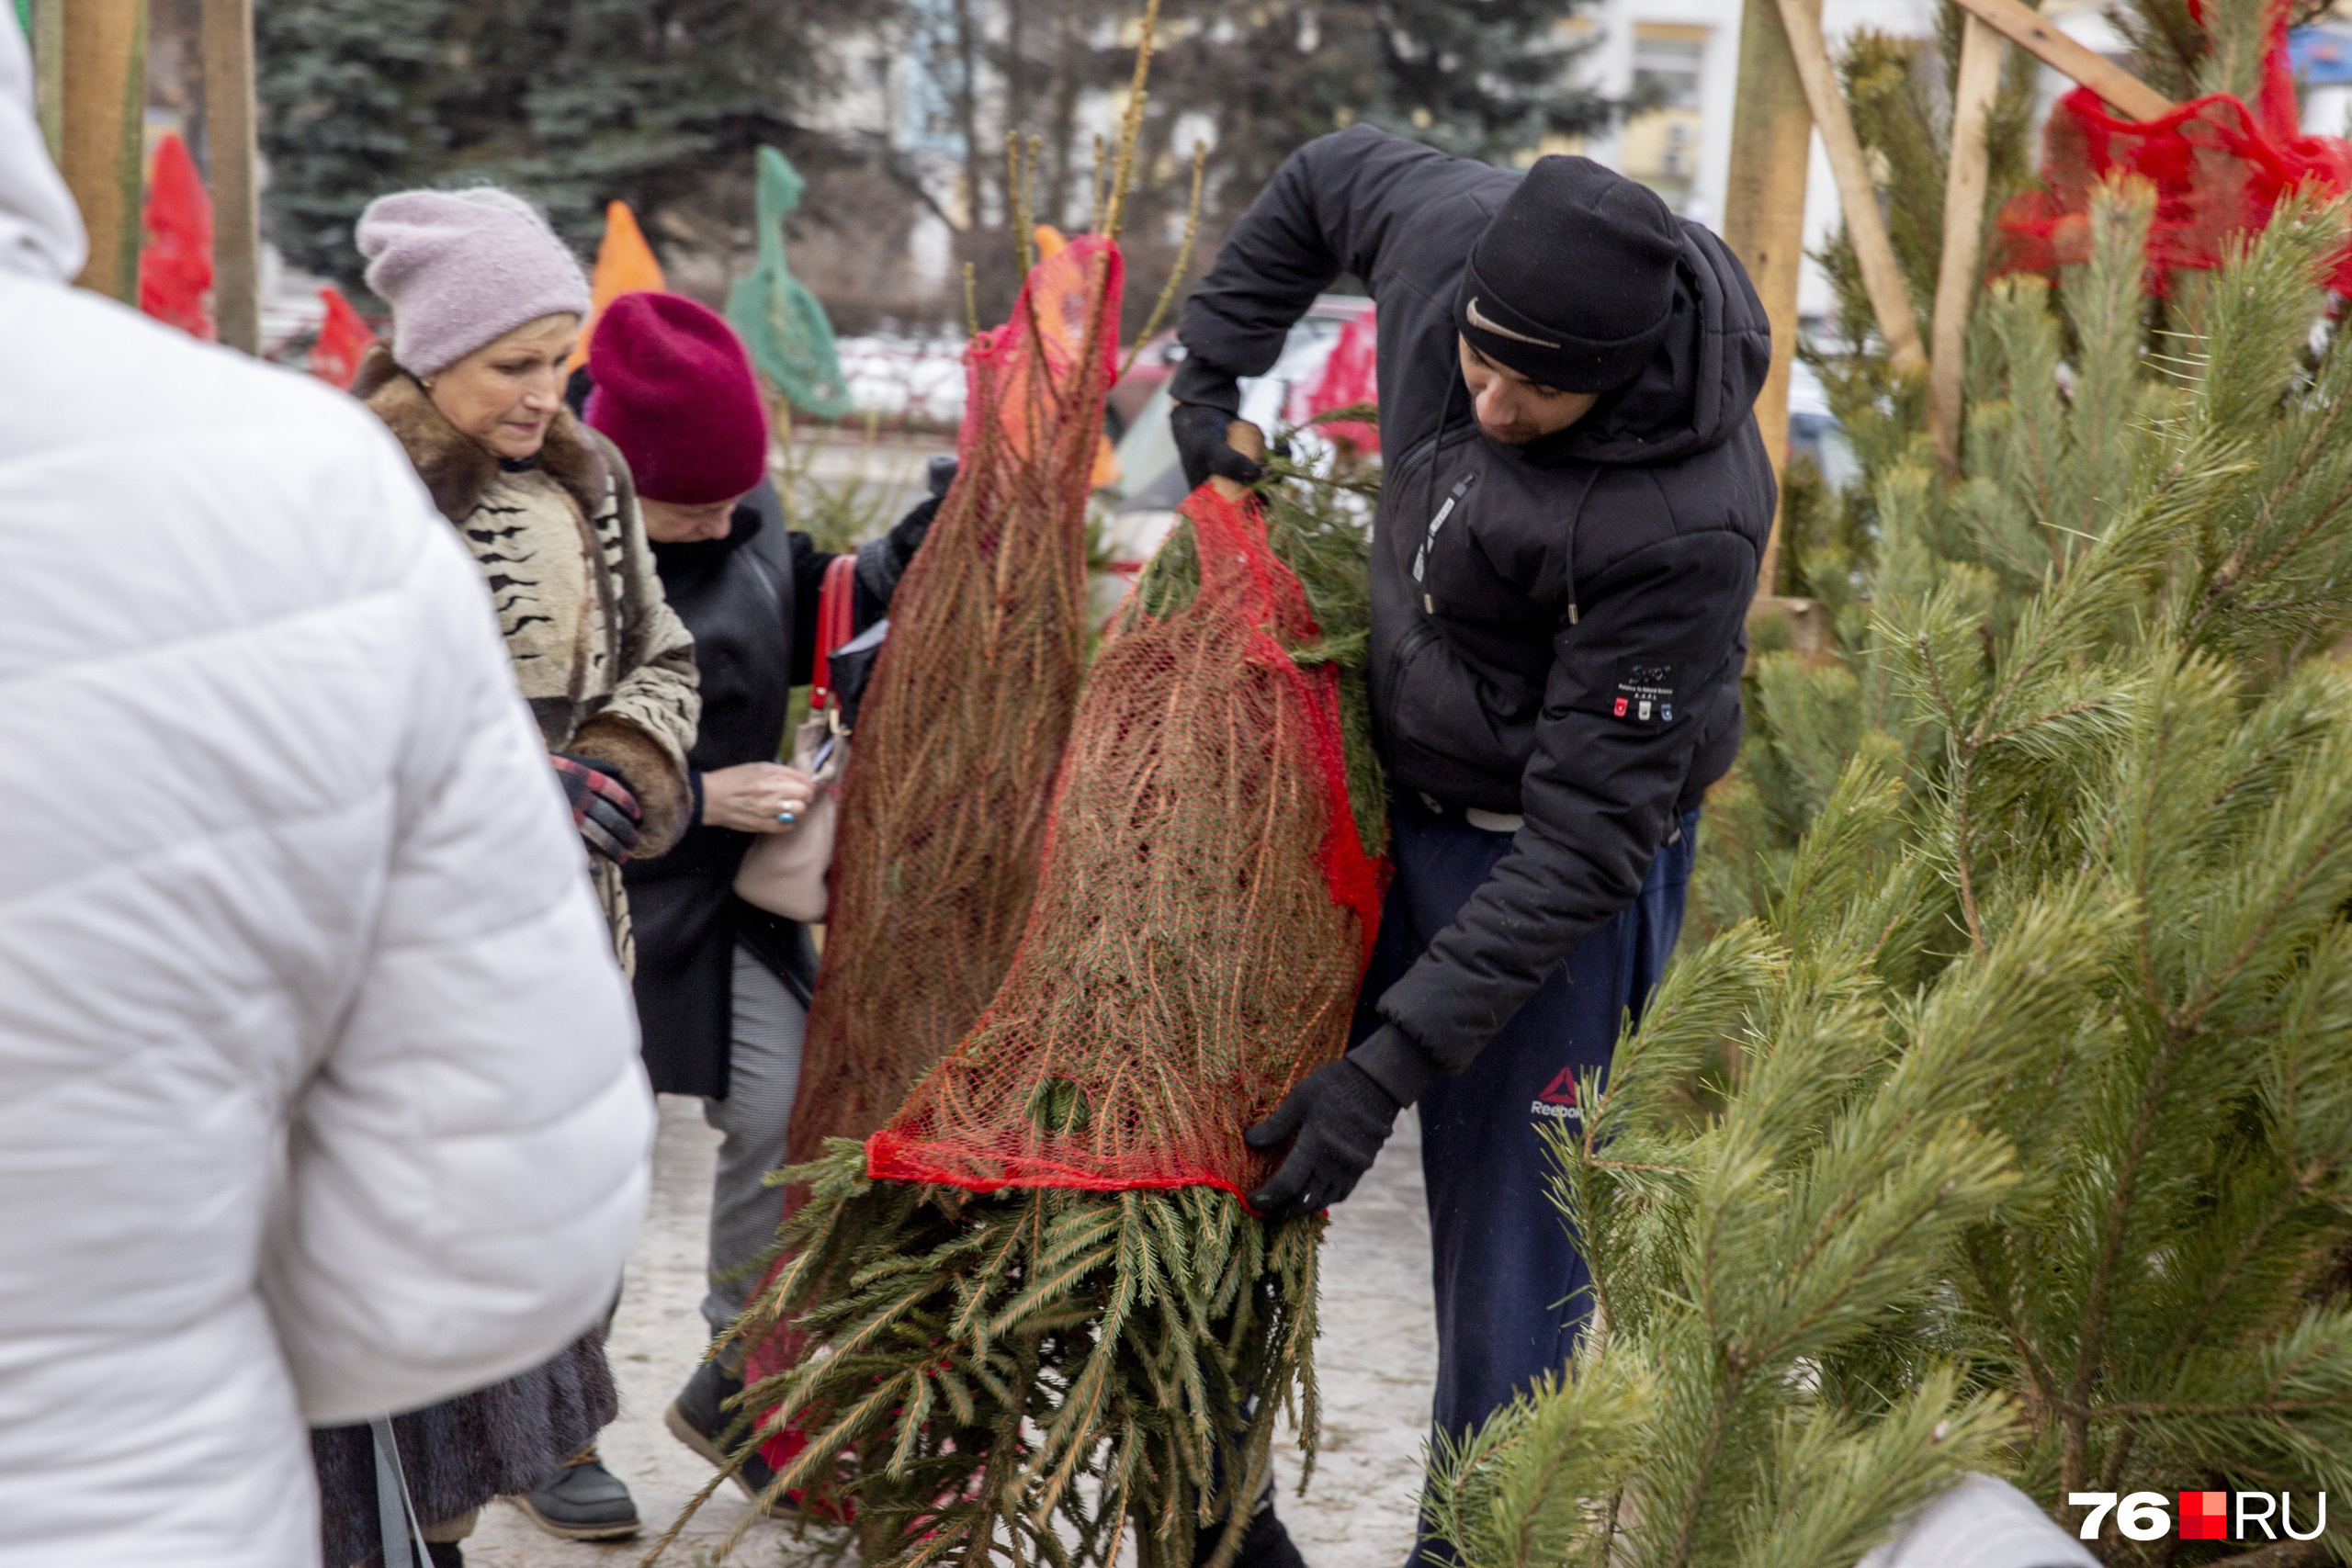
(1510, 1281)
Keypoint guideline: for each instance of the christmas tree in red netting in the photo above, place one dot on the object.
(2219, 167)
(1033, 1315)
(951, 773)
(1203, 916)
(944, 803)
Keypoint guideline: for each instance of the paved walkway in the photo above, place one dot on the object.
(1375, 1360)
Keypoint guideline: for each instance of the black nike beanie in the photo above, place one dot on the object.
(1572, 283)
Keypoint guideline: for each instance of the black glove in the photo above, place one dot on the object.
(1341, 1118)
(601, 807)
(939, 477)
(1199, 430)
(881, 562)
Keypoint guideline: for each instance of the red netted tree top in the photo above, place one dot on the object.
(2218, 165)
(1203, 916)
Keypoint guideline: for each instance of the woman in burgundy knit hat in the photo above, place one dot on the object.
(722, 987)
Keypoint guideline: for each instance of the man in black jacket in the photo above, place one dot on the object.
(1575, 503)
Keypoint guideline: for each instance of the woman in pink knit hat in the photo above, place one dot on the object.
(487, 305)
(722, 986)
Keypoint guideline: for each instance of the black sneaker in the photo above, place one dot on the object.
(699, 1418)
(584, 1502)
(1265, 1544)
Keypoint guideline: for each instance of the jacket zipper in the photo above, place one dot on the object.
(1454, 498)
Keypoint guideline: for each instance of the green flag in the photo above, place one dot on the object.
(779, 320)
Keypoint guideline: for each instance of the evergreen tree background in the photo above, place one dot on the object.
(574, 103)
(577, 101)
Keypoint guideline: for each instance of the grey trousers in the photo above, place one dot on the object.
(763, 1072)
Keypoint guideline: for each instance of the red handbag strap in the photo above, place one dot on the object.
(836, 615)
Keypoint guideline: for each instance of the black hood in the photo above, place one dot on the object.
(709, 555)
(1700, 387)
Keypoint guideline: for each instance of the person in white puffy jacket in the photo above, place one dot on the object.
(320, 1095)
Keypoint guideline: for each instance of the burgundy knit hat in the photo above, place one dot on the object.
(674, 391)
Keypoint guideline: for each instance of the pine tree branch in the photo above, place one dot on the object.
(2233, 570)
(2192, 1017)
(2045, 1382)
(2074, 1437)
(1961, 849)
(2193, 1326)
(1898, 1233)
(1702, 1473)
(2159, 1410)
(2094, 705)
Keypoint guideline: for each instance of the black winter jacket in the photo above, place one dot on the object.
(1558, 629)
(751, 602)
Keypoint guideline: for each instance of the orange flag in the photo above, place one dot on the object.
(625, 265)
(1050, 243)
(344, 338)
(175, 262)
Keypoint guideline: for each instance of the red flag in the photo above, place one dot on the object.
(343, 340)
(175, 267)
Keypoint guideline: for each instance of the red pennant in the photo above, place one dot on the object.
(176, 265)
(344, 341)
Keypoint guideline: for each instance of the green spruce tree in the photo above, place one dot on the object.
(573, 104)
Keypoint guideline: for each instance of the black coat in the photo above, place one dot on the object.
(1567, 644)
(751, 602)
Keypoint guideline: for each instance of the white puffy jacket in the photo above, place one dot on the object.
(319, 1089)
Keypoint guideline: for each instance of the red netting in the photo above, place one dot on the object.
(1203, 917)
(944, 804)
(951, 773)
(2218, 168)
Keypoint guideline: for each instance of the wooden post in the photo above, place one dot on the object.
(1977, 84)
(1771, 137)
(48, 78)
(2026, 27)
(232, 152)
(1857, 192)
(103, 70)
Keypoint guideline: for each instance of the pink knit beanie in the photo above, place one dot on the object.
(675, 394)
(462, 268)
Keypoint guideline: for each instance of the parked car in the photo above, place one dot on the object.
(1151, 480)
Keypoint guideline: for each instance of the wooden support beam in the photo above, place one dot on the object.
(2026, 27)
(103, 73)
(49, 77)
(1857, 192)
(1977, 84)
(1771, 135)
(229, 140)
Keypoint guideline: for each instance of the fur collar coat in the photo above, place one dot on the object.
(606, 666)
